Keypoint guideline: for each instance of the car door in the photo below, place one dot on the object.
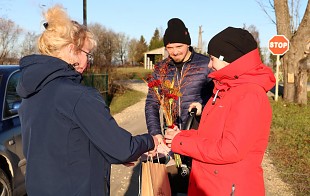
(10, 117)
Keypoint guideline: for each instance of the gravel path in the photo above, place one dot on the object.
(125, 180)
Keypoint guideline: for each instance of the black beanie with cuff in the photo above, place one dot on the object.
(231, 43)
(176, 32)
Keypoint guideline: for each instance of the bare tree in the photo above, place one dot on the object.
(106, 49)
(108, 45)
(9, 33)
(253, 30)
(298, 39)
(288, 24)
(122, 42)
(294, 11)
(132, 45)
(98, 31)
(303, 72)
(267, 8)
(29, 44)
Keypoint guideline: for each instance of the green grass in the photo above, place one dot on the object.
(130, 73)
(134, 70)
(123, 100)
(289, 144)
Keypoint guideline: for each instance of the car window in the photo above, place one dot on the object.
(11, 100)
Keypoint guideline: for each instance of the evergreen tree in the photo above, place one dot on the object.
(156, 41)
(141, 48)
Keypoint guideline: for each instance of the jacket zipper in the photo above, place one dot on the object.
(178, 79)
(215, 96)
(190, 58)
(233, 188)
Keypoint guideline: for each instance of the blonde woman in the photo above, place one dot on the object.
(69, 137)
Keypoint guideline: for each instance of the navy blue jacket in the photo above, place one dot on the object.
(69, 137)
(195, 86)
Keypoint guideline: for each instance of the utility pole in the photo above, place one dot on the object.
(85, 12)
(199, 46)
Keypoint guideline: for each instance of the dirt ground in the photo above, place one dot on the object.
(125, 180)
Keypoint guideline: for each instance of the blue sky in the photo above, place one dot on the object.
(142, 17)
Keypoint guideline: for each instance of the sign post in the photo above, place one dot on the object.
(278, 45)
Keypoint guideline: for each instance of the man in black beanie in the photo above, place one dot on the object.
(190, 72)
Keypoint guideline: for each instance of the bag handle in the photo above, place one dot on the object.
(150, 158)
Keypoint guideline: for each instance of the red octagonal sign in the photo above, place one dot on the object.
(278, 45)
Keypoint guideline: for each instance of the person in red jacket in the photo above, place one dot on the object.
(229, 145)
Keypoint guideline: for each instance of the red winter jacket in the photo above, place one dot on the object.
(229, 146)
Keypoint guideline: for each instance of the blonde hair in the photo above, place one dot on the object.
(61, 31)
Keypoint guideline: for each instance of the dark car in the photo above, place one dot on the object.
(12, 160)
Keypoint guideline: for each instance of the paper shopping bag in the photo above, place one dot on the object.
(160, 180)
(155, 180)
(146, 184)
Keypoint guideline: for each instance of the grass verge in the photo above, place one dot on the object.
(122, 73)
(289, 144)
(125, 99)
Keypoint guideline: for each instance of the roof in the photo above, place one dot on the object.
(161, 51)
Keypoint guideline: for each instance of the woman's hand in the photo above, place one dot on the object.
(156, 139)
(160, 138)
(170, 134)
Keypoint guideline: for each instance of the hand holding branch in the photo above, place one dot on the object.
(170, 134)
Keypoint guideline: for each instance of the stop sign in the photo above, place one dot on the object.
(278, 45)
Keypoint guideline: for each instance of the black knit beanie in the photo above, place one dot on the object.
(176, 32)
(231, 43)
